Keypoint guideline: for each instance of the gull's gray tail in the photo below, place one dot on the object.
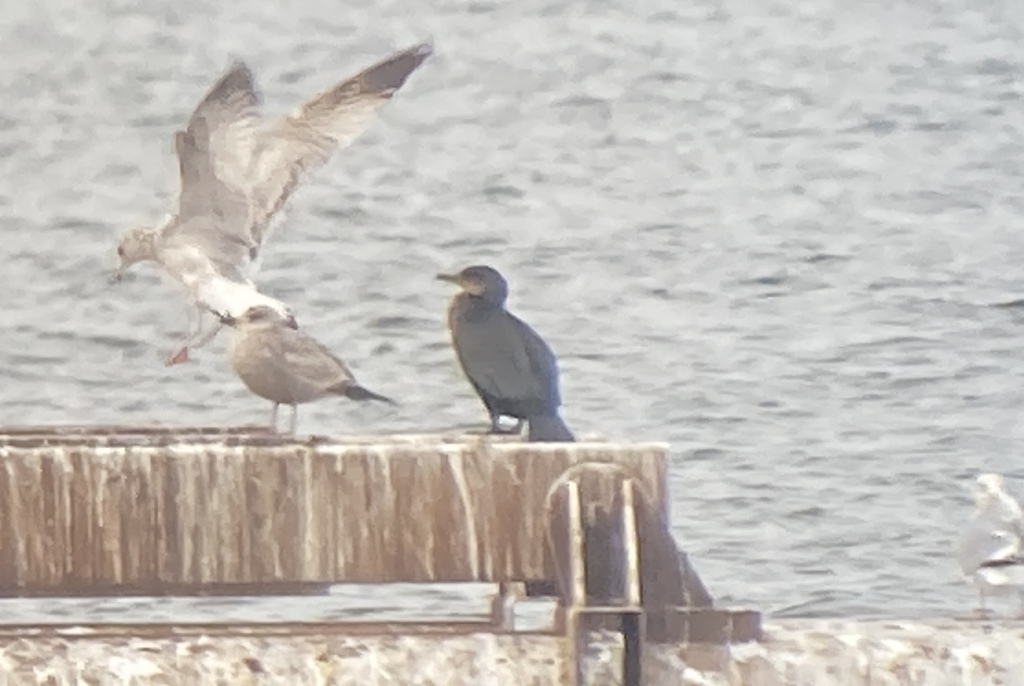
(354, 391)
(548, 429)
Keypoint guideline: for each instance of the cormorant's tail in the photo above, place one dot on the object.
(548, 429)
(357, 392)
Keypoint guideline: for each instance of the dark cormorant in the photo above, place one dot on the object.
(511, 367)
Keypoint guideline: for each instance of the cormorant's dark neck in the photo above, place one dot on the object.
(485, 301)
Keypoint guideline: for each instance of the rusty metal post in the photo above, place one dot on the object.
(591, 512)
(632, 628)
(633, 622)
(577, 566)
(631, 542)
(577, 591)
(503, 604)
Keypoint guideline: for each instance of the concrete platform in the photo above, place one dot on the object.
(792, 653)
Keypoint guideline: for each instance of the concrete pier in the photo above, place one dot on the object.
(92, 511)
(196, 512)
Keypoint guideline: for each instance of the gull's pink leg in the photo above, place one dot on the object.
(180, 354)
(195, 340)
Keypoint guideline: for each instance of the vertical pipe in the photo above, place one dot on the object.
(631, 545)
(578, 591)
(632, 648)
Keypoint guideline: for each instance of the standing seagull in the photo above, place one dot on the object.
(991, 549)
(509, 365)
(235, 176)
(286, 366)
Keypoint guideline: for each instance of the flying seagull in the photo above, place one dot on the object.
(237, 173)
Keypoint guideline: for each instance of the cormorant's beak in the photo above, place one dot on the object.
(450, 278)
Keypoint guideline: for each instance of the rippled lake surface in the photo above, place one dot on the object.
(783, 236)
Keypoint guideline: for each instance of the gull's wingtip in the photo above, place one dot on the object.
(390, 74)
(236, 78)
(238, 65)
(421, 52)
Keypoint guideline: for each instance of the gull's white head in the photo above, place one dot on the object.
(136, 245)
(987, 487)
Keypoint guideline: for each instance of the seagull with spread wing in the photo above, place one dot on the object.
(236, 174)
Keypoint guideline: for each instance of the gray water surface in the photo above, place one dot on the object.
(774, 234)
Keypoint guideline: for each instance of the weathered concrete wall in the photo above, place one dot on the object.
(794, 653)
(281, 658)
(877, 653)
(159, 512)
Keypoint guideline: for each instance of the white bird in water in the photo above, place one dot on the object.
(237, 174)
(286, 366)
(991, 549)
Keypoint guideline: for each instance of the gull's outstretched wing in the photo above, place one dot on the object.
(214, 156)
(305, 140)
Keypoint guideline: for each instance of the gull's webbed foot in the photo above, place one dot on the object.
(178, 356)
